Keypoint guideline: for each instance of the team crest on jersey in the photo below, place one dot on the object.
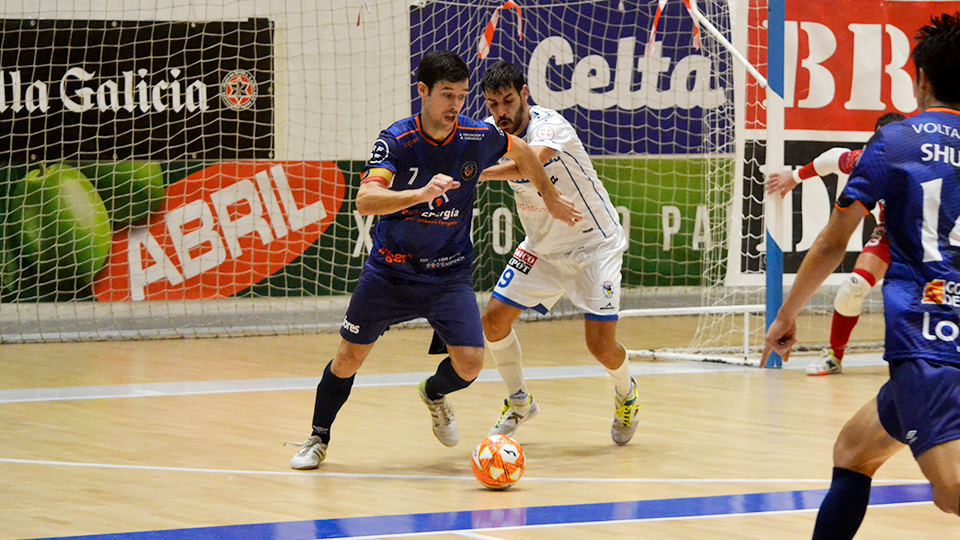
(380, 151)
(608, 289)
(468, 171)
(238, 90)
(544, 133)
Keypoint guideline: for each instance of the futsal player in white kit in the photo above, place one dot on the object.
(583, 261)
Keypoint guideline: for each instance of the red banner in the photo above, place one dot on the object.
(846, 63)
(221, 230)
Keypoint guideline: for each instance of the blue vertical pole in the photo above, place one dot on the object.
(776, 19)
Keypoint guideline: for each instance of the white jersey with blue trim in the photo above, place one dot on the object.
(573, 174)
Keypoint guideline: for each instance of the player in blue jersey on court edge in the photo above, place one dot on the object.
(914, 166)
(421, 180)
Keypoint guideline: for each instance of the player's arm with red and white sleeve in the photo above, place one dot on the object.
(833, 161)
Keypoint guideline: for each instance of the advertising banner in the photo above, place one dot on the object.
(594, 63)
(110, 90)
(846, 64)
(222, 229)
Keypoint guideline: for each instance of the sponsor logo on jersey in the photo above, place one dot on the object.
(393, 258)
(522, 261)
(468, 171)
(445, 262)
(380, 151)
(238, 90)
(443, 215)
(940, 291)
(350, 327)
(471, 135)
(221, 230)
(438, 201)
(943, 330)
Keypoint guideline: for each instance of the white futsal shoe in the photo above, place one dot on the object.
(444, 423)
(312, 452)
(827, 364)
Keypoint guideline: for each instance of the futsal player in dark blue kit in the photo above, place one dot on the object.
(421, 180)
(914, 166)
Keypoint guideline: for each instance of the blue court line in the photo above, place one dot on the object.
(540, 516)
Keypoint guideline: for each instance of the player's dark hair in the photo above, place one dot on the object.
(441, 66)
(937, 53)
(889, 118)
(502, 75)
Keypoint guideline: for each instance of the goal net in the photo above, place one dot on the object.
(189, 170)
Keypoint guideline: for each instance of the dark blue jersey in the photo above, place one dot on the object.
(431, 241)
(913, 166)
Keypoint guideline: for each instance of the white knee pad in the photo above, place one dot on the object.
(851, 295)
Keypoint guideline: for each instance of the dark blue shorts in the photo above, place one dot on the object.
(920, 404)
(380, 301)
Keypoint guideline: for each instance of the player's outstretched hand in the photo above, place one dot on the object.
(562, 208)
(780, 338)
(438, 185)
(781, 183)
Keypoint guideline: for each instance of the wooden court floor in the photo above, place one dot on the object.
(186, 438)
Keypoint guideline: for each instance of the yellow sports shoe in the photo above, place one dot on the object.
(511, 417)
(624, 417)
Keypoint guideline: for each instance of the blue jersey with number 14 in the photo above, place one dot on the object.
(913, 166)
(430, 241)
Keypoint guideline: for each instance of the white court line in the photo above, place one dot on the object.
(438, 477)
(192, 388)
(620, 522)
(476, 536)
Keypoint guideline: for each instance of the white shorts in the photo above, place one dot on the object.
(590, 276)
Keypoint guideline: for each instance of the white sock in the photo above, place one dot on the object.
(507, 355)
(621, 378)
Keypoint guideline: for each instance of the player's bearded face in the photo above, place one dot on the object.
(510, 123)
(506, 106)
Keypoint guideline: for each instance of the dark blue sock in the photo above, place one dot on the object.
(444, 381)
(332, 393)
(842, 510)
